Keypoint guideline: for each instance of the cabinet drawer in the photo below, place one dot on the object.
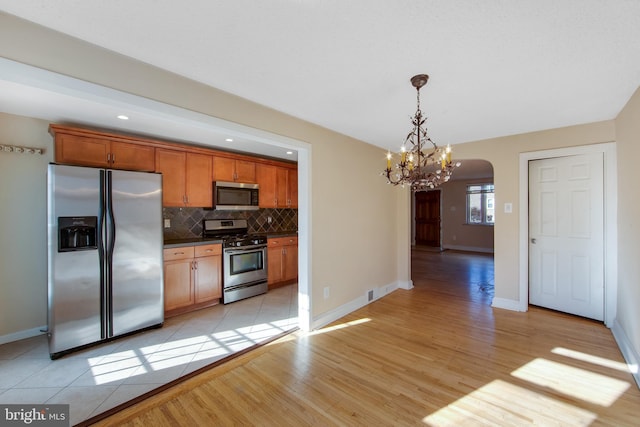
(183, 252)
(282, 241)
(208, 250)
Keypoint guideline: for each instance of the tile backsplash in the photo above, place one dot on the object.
(187, 222)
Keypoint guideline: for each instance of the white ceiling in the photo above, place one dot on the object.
(496, 67)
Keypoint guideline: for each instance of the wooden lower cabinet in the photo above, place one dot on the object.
(192, 278)
(282, 261)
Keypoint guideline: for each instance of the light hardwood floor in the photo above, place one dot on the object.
(436, 355)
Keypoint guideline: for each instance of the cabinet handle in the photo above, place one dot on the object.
(108, 157)
(113, 158)
(195, 265)
(209, 250)
(178, 253)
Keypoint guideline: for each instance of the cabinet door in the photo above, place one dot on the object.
(290, 263)
(292, 188)
(199, 177)
(274, 263)
(281, 188)
(177, 284)
(245, 171)
(172, 165)
(79, 150)
(266, 179)
(224, 169)
(208, 278)
(133, 157)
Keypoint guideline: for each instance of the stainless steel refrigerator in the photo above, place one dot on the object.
(105, 255)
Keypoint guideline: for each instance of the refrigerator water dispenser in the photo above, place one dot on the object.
(77, 233)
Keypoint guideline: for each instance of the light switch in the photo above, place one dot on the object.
(508, 207)
(167, 223)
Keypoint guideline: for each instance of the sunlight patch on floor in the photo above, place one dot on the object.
(607, 363)
(505, 404)
(575, 382)
(180, 352)
(340, 326)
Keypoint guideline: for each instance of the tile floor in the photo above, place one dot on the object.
(101, 377)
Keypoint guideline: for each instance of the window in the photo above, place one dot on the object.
(480, 204)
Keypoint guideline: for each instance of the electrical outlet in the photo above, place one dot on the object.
(167, 223)
(269, 220)
(326, 292)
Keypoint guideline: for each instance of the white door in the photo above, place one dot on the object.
(566, 234)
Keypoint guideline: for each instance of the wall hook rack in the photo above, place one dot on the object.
(19, 149)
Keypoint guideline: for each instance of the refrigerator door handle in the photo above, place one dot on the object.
(111, 242)
(101, 254)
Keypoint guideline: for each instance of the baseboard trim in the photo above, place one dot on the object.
(507, 304)
(21, 335)
(628, 352)
(468, 249)
(341, 311)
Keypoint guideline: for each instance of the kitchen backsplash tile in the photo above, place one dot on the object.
(187, 222)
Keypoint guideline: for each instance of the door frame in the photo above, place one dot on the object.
(610, 221)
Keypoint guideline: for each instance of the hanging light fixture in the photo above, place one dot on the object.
(423, 165)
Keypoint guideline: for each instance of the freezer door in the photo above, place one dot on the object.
(137, 298)
(74, 287)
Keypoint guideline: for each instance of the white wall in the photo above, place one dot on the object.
(23, 227)
(628, 311)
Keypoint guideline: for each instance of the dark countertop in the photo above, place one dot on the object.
(279, 234)
(197, 241)
(194, 241)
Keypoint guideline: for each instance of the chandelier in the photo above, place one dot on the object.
(423, 165)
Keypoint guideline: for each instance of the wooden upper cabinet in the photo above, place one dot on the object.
(278, 186)
(172, 165)
(135, 157)
(232, 170)
(199, 177)
(186, 178)
(188, 171)
(266, 179)
(102, 152)
(83, 151)
(281, 187)
(292, 188)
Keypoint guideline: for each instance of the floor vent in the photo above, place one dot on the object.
(370, 296)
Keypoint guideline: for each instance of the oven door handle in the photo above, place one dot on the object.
(244, 249)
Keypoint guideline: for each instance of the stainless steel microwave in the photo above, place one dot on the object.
(235, 196)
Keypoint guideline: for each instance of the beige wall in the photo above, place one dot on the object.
(628, 145)
(456, 233)
(23, 223)
(504, 154)
(348, 199)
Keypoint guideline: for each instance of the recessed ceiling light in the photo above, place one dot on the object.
(229, 140)
(123, 117)
(289, 152)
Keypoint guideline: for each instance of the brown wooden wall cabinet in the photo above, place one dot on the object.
(282, 261)
(192, 278)
(88, 151)
(233, 170)
(186, 178)
(188, 171)
(278, 186)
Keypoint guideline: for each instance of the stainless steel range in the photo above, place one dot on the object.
(244, 258)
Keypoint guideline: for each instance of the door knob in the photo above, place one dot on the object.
(533, 241)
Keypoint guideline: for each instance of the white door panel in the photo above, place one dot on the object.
(566, 233)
